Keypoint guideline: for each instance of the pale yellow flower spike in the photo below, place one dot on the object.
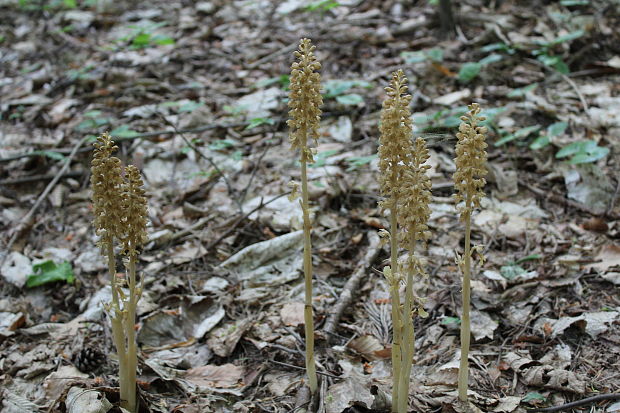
(305, 116)
(413, 214)
(471, 168)
(135, 220)
(120, 210)
(106, 182)
(395, 153)
(305, 99)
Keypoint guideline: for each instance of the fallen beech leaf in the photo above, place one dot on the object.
(292, 314)
(225, 376)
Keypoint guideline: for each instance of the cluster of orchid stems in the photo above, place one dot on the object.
(120, 210)
(406, 189)
(305, 102)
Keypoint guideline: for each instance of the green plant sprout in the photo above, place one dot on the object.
(322, 6)
(553, 130)
(143, 36)
(583, 151)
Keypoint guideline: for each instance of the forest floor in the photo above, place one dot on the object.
(194, 93)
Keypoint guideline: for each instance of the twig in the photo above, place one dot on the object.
(577, 403)
(35, 178)
(346, 296)
(189, 143)
(288, 49)
(26, 221)
(562, 200)
(302, 368)
(241, 218)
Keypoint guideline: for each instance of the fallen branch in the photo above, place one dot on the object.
(347, 294)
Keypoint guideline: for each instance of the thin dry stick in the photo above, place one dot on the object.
(25, 222)
(352, 284)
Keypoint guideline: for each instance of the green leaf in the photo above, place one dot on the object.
(561, 67)
(141, 40)
(568, 37)
(48, 271)
(557, 128)
(358, 161)
(583, 146)
(531, 257)
(502, 47)
(221, 144)
(492, 58)
(521, 133)
(337, 87)
(534, 396)
(123, 131)
(162, 40)
(414, 57)
(510, 272)
(450, 320)
(540, 142)
(435, 54)
(51, 154)
(190, 106)
(350, 99)
(320, 158)
(259, 121)
(591, 156)
(322, 5)
(469, 71)
(71, 4)
(522, 91)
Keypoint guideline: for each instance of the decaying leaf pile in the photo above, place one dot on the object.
(194, 94)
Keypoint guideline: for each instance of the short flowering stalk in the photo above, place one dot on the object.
(471, 168)
(305, 101)
(120, 211)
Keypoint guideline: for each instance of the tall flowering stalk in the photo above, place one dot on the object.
(305, 101)
(120, 210)
(406, 189)
(413, 214)
(471, 168)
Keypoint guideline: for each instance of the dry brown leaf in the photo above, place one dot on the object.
(292, 314)
(225, 376)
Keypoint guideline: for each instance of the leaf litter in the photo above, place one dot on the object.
(222, 318)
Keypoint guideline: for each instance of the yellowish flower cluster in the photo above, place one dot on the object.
(305, 99)
(471, 158)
